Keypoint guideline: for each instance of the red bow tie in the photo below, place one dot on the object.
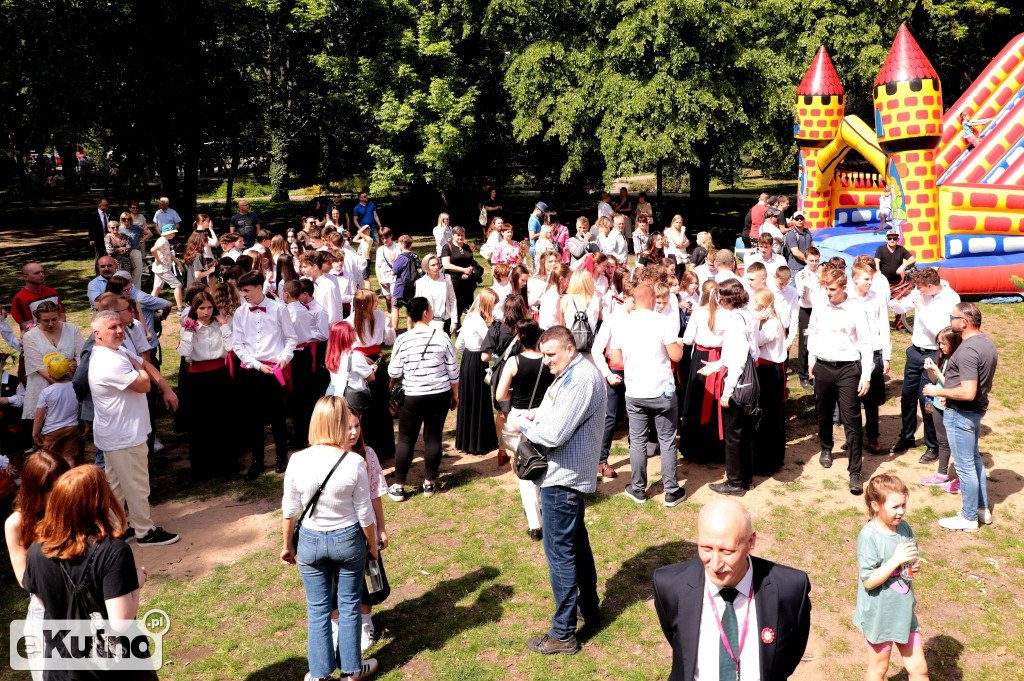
(257, 308)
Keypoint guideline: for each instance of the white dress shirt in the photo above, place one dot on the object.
(263, 337)
(302, 322)
(839, 333)
(209, 341)
(787, 305)
(771, 265)
(325, 292)
(725, 275)
(807, 286)
(771, 341)
(614, 245)
(931, 314)
(710, 639)
(877, 312)
(502, 293)
(471, 335)
(698, 331)
(440, 293)
(603, 340)
(383, 332)
(319, 326)
(703, 273)
(740, 342)
(347, 285)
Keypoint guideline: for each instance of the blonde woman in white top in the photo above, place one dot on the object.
(700, 439)
(442, 232)
(549, 310)
(437, 288)
(204, 344)
(474, 428)
(581, 297)
(676, 242)
(540, 281)
(770, 435)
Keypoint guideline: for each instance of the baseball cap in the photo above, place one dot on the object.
(123, 274)
(799, 216)
(57, 365)
(167, 230)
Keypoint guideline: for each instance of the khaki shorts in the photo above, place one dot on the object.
(64, 442)
(160, 278)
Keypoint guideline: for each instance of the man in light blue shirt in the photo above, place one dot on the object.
(569, 426)
(534, 224)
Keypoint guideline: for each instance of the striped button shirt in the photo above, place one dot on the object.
(424, 373)
(571, 422)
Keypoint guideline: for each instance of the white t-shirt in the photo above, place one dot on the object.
(61, 405)
(647, 366)
(121, 418)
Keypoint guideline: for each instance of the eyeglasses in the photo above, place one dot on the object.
(952, 317)
(126, 219)
(892, 238)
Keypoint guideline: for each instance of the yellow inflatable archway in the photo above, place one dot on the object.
(853, 134)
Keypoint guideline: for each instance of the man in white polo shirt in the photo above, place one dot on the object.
(119, 381)
(646, 348)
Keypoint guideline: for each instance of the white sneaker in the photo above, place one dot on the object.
(366, 670)
(366, 637)
(984, 516)
(334, 632)
(959, 522)
(157, 445)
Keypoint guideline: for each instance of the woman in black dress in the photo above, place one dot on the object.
(474, 426)
(457, 260)
(499, 344)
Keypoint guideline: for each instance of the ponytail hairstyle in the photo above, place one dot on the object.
(339, 342)
(766, 299)
(880, 487)
(709, 299)
(484, 305)
(364, 303)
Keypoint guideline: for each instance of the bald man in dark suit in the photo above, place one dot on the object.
(729, 615)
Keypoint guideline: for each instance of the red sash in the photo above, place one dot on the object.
(207, 365)
(283, 376)
(713, 385)
(369, 350)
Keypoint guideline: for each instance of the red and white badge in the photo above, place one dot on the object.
(767, 635)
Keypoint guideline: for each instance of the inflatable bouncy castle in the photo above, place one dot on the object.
(958, 205)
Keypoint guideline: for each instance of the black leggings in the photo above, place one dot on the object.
(428, 411)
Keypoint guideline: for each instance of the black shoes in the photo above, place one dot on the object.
(158, 536)
(281, 465)
(545, 645)
(727, 489)
(826, 458)
(806, 384)
(855, 486)
(255, 471)
(128, 534)
(638, 497)
(674, 498)
(929, 456)
(536, 535)
(902, 445)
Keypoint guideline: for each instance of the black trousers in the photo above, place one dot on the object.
(267, 406)
(912, 398)
(303, 396)
(615, 403)
(738, 431)
(801, 356)
(837, 382)
(875, 397)
(428, 412)
(770, 435)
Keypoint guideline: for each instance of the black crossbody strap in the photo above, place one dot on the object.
(311, 506)
(536, 384)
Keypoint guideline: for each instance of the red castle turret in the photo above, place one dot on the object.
(820, 107)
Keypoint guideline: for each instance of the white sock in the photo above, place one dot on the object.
(367, 619)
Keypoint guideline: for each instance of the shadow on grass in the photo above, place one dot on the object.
(285, 670)
(408, 633)
(633, 581)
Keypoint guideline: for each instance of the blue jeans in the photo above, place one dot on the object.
(912, 397)
(323, 556)
(963, 429)
(101, 461)
(570, 560)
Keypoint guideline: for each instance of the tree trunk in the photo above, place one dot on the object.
(190, 183)
(700, 189)
(232, 171)
(279, 165)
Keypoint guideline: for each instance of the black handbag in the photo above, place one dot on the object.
(358, 400)
(530, 461)
(311, 506)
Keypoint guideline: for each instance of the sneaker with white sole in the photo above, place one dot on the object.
(396, 493)
(953, 486)
(959, 522)
(984, 516)
(158, 536)
(366, 637)
(937, 479)
(157, 445)
(429, 489)
(367, 669)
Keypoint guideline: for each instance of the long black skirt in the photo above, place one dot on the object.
(474, 429)
(211, 451)
(770, 436)
(378, 425)
(700, 442)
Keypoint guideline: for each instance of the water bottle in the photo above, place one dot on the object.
(907, 570)
(929, 407)
(670, 390)
(374, 582)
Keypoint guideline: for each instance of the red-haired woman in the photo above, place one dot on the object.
(40, 471)
(373, 330)
(79, 533)
(348, 368)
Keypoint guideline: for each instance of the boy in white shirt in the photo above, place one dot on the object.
(304, 396)
(56, 420)
(163, 256)
(502, 287)
(787, 303)
(325, 291)
(877, 312)
(319, 330)
(386, 253)
(766, 254)
(232, 244)
(807, 289)
(264, 340)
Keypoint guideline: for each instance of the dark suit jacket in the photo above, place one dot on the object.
(97, 228)
(782, 596)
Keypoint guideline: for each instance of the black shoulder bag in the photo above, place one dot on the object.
(359, 400)
(311, 506)
(530, 461)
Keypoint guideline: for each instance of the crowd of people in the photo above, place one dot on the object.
(690, 348)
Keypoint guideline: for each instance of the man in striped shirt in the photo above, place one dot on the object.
(569, 425)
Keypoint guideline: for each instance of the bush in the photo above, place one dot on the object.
(244, 188)
(348, 185)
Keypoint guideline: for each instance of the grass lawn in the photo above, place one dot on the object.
(469, 586)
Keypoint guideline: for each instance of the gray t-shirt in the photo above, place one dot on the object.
(974, 360)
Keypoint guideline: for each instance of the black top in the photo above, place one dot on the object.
(889, 261)
(461, 256)
(496, 341)
(645, 259)
(699, 256)
(526, 378)
(112, 574)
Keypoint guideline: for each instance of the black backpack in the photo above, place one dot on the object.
(747, 392)
(411, 273)
(582, 334)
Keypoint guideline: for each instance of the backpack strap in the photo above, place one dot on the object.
(81, 588)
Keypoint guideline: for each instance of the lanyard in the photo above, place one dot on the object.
(743, 632)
